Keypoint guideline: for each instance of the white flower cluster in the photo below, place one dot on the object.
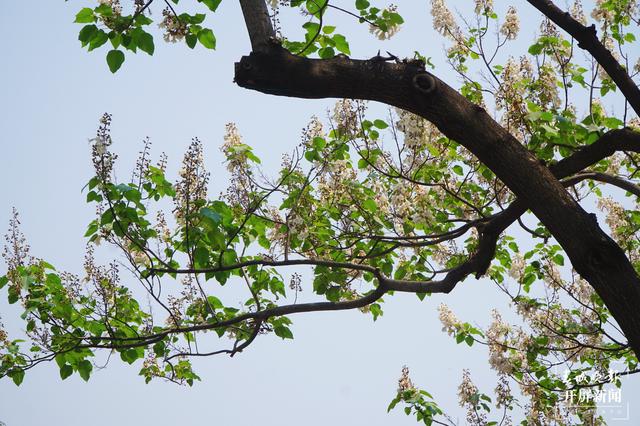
(511, 94)
(450, 322)
(193, 181)
(313, 130)
(335, 181)
(405, 383)
(113, 4)
(616, 217)
(496, 339)
(414, 128)
(577, 11)
(410, 201)
(517, 266)
(391, 29)
(467, 389)
(232, 140)
(296, 225)
(238, 165)
(601, 13)
(503, 394)
(562, 50)
(468, 398)
(345, 116)
(484, 6)
(511, 25)
(174, 29)
(547, 85)
(381, 197)
(443, 20)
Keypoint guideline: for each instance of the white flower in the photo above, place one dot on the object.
(517, 266)
(578, 12)
(511, 24)
(496, 334)
(443, 20)
(448, 319)
(484, 6)
(99, 145)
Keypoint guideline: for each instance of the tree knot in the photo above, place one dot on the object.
(424, 82)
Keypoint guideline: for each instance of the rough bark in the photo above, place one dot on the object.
(259, 27)
(594, 255)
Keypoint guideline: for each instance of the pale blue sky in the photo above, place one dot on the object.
(341, 368)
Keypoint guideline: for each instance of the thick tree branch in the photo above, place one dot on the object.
(603, 177)
(588, 40)
(476, 263)
(592, 252)
(256, 17)
(612, 141)
(134, 342)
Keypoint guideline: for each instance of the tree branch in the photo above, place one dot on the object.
(612, 141)
(256, 17)
(603, 177)
(408, 86)
(588, 40)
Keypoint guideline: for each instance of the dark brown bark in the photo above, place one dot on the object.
(256, 17)
(594, 255)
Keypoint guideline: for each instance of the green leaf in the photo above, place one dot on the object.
(333, 294)
(13, 296)
(104, 9)
(229, 257)
(341, 44)
(283, 332)
(535, 49)
(215, 302)
(613, 123)
(65, 371)
(370, 205)
(327, 52)
(362, 4)
(86, 33)
(130, 355)
(84, 368)
(201, 256)
(85, 16)
(393, 403)
(313, 7)
(211, 4)
(93, 196)
(3, 281)
(17, 375)
(211, 214)
(159, 349)
(98, 39)
(198, 18)
(93, 228)
(380, 124)
(558, 259)
(191, 40)
(207, 39)
(145, 43)
(115, 58)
